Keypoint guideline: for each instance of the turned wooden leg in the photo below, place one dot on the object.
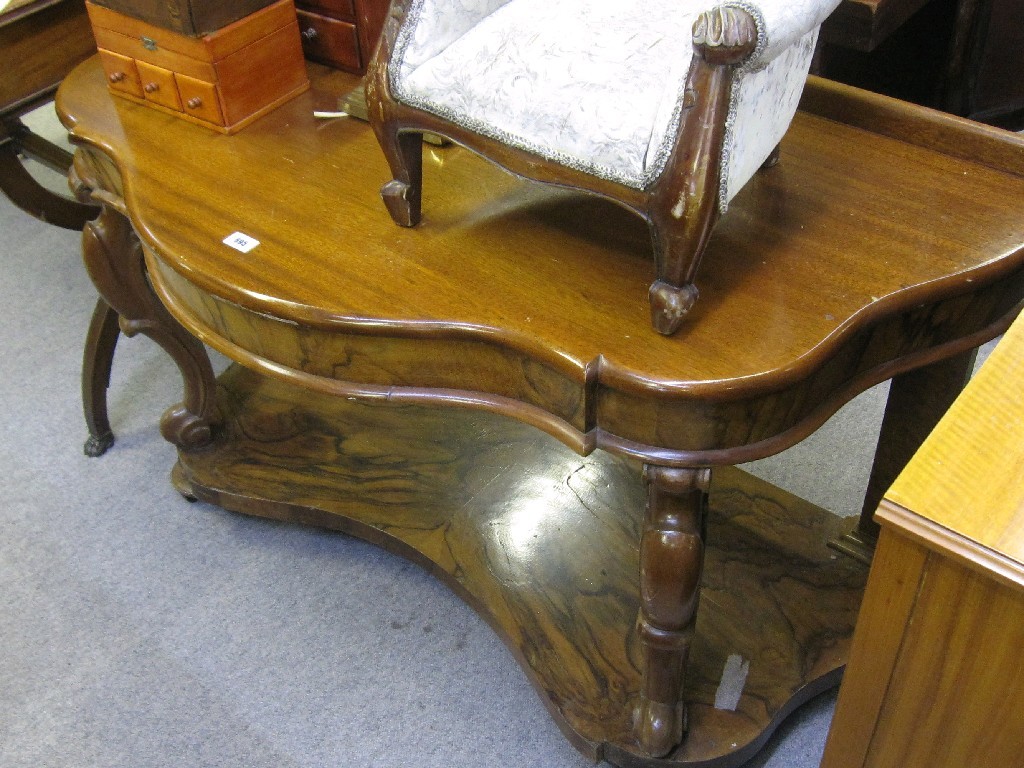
(114, 259)
(401, 195)
(671, 562)
(917, 400)
(97, 361)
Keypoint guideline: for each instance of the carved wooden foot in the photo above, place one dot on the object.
(670, 305)
(97, 360)
(114, 259)
(402, 194)
(671, 561)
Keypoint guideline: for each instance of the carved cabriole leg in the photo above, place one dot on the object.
(684, 202)
(402, 195)
(404, 151)
(671, 562)
(97, 360)
(114, 259)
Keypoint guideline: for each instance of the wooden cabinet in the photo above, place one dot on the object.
(224, 80)
(935, 678)
(341, 33)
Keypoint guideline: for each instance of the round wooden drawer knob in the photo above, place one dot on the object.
(116, 77)
(194, 103)
(151, 87)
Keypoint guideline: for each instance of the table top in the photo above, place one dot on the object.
(968, 476)
(824, 277)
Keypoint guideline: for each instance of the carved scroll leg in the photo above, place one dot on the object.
(684, 203)
(97, 361)
(402, 195)
(113, 257)
(671, 562)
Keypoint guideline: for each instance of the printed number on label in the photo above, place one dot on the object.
(241, 242)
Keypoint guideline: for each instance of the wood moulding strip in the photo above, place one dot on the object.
(937, 537)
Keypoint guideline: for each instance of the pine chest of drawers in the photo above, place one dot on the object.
(223, 80)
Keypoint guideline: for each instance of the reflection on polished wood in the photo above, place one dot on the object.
(544, 545)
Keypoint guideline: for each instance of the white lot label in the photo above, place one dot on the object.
(241, 242)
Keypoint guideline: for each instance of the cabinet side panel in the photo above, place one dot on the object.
(956, 697)
(892, 589)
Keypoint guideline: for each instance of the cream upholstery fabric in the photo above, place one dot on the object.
(762, 106)
(597, 84)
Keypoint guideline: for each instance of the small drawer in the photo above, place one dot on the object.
(340, 9)
(199, 99)
(330, 41)
(159, 86)
(122, 74)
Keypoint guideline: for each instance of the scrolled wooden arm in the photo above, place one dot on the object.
(724, 35)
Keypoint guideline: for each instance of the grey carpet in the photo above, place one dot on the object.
(139, 630)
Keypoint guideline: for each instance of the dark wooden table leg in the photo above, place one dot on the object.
(671, 563)
(917, 400)
(97, 360)
(27, 193)
(33, 198)
(114, 259)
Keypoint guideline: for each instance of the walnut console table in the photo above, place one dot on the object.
(442, 391)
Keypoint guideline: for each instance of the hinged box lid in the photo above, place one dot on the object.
(195, 18)
(141, 40)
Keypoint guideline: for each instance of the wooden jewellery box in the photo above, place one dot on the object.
(189, 17)
(223, 80)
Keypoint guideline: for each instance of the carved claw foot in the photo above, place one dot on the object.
(402, 201)
(670, 305)
(97, 445)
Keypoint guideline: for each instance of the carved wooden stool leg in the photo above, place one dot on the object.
(671, 562)
(114, 259)
(402, 195)
(97, 360)
(684, 204)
